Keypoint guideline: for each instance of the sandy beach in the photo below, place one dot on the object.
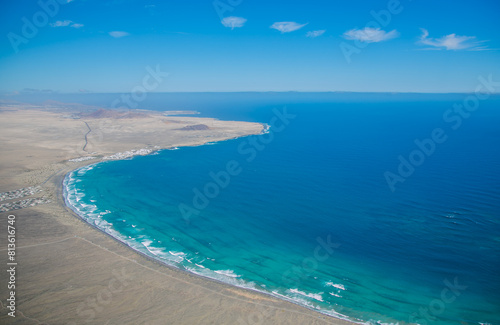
(68, 272)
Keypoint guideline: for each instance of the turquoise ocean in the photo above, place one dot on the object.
(380, 208)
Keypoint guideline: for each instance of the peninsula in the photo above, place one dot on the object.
(69, 272)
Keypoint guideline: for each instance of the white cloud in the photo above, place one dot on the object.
(287, 26)
(315, 33)
(118, 34)
(61, 23)
(452, 42)
(64, 23)
(233, 22)
(370, 35)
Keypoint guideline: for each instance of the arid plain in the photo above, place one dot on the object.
(69, 272)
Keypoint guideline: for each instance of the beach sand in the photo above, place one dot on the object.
(69, 272)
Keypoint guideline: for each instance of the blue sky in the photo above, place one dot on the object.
(248, 45)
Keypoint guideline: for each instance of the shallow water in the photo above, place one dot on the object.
(305, 212)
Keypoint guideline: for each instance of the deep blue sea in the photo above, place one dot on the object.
(372, 207)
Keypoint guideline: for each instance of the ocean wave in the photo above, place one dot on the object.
(181, 254)
(159, 252)
(297, 299)
(81, 171)
(316, 296)
(177, 258)
(300, 298)
(225, 276)
(338, 286)
(229, 273)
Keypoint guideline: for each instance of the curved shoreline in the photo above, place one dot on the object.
(172, 267)
(177, 271)
(65, 262)
(68, 206)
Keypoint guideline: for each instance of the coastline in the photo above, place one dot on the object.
(67, 270)
(174, 268)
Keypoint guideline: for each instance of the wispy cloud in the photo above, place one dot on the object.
(370, 35)
(233, 22)
(118, 34)
(452, 42)
(64, 23)
(35, 90)
(61, 23)
(315, 33)
(287, 26)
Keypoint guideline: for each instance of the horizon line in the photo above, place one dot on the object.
(41, 92)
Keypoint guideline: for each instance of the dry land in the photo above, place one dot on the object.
(68, 272)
